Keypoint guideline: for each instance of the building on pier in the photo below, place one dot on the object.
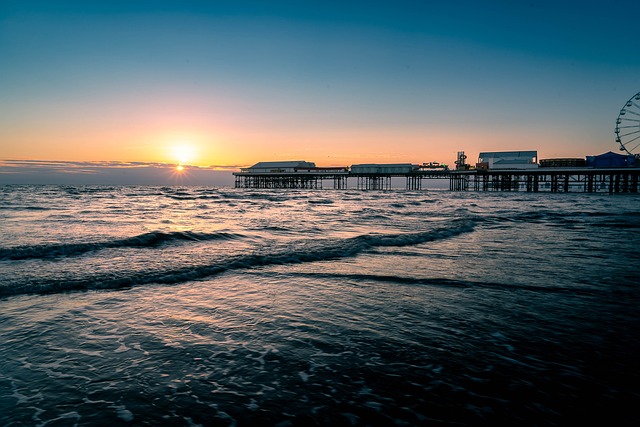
(290, 174)
(375, 176)
(563, 163)
(385, 169)
(278, 167)
(611, 160)
(508, 160)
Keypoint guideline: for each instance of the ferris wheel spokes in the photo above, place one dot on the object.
(636, 146)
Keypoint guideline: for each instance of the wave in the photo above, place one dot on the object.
(388, 279)
(302, 252)
(568, 219)
(25, 208)
(459, 226)
(459, 284)
(178, 197)
(146, 240)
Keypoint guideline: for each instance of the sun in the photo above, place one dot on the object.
(179, 168)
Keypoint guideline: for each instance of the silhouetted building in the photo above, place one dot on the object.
(508, 160)
(279, 167)
(611, 160)
(563, 163)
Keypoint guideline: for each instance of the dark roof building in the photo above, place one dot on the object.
(611, 160)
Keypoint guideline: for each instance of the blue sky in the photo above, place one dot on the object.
(337, 83)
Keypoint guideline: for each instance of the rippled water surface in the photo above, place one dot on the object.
(223, 307)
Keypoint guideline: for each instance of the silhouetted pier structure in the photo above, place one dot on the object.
(308, 181)
(381, 179)
(554, 180)
(304, 175)
(296, 174)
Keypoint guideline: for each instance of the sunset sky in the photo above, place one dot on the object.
(89, 89)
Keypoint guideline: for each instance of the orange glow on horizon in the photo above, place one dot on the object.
(212, 146)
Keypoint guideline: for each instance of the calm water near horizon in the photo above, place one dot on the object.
(186, 306)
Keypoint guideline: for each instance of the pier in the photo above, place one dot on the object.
(304, 175)
(554, 180)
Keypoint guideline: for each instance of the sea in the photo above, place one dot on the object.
(199, 306)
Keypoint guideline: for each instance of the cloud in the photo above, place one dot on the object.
(112, 173)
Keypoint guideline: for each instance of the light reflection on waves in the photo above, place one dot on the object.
(296, 253)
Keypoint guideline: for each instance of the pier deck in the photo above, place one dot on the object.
(543, 179)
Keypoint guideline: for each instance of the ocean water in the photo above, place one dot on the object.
(186, 306)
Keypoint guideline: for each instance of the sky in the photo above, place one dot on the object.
(119, 92)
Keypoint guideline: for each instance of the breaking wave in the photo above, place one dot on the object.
(146, 240)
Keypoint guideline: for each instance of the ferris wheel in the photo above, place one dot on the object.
(628, 126)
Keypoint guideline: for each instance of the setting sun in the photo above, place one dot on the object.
(179, 168)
